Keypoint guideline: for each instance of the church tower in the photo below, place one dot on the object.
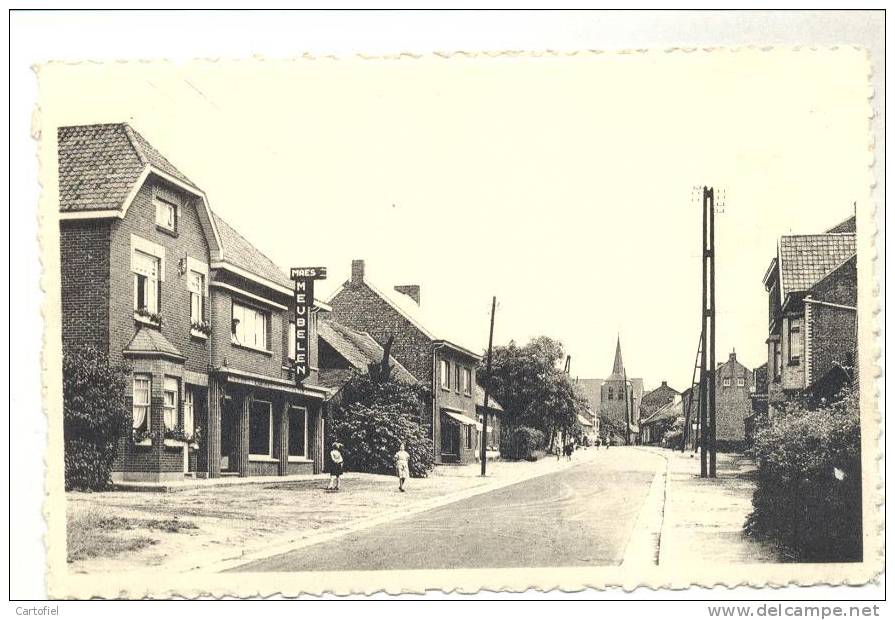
(619, 394)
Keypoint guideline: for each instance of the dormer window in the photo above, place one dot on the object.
(165, 214)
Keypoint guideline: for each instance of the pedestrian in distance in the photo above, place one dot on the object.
(402, 466)
(608, 441)
(336, 466)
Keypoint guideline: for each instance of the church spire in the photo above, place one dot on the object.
(618, 367)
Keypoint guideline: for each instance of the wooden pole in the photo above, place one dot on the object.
(713, 427)
(484, 448)
(703, 443)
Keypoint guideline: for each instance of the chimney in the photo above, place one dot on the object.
(733, 356)
(357, 271)
(665, 384)
(411, 290)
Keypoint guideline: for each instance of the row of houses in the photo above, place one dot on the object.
(811, 285)
(152, 276)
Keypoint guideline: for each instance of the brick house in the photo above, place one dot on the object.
(620, 397)
(444, 366)
(151, 276)
(812, 314)
(652, 402)
(734, 388)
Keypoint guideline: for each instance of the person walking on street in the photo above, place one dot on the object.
(336, 463)
(402, 465)
(609, 440)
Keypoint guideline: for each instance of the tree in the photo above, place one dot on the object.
(532, 389)
(376, 414)
(95, 416)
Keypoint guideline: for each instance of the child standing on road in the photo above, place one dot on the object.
(402, 465)
(335, 472)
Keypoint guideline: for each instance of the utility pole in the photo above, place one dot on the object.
(484, 449)
(713, 426)
(627, 410)
(707, 417)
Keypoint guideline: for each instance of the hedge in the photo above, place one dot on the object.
(371, 437)
(808, 493)
(95, 415)
(522, 443)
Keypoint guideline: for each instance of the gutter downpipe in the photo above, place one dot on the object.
(435, 446)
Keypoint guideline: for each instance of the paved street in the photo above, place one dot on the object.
(582, 516)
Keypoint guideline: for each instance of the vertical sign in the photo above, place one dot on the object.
(304, 300)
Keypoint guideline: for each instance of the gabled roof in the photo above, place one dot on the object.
(493, 405)
(102, 166)
(848, 225)
(151, 343)
(99, 165)
(669, 410)
(358, 349)
(239, 252)
(413, 313)
(806, 259)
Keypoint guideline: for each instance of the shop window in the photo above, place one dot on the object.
(467, 381)
(146, 278)
(197, 296)
(298, 432)
(260, 429)
(470, 430)
(142, 392)
(795, 340)
(249, 327)
(445, 374)
(169, 403)
(165, 214)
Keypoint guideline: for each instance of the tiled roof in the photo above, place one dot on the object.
(151, 342)
(656, 399)
(99, 164)
(359, 349)
(805, 259)
(480, 399)
(240, 252)
(849, 225)
(670, 410)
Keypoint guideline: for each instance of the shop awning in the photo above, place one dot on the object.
(464, 420)
(584, 421)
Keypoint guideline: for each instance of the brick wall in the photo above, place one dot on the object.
(175, 299)
(455, 400)
(832, 338)
(84, 253)
(362, 309)
(225, 353)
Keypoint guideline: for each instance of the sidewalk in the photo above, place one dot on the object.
(703, 518)
(211, 527)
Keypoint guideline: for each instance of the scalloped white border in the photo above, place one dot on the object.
(62, 584)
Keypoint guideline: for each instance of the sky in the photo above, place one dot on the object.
(566, 186)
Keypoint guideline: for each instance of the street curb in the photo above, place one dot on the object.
(293, 543)
(644, 546)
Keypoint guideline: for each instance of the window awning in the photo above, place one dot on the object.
(464, 420)
(584, 421)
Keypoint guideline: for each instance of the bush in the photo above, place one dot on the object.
(522, 443)
(95, 416)
(372, 435)
(808, 493)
